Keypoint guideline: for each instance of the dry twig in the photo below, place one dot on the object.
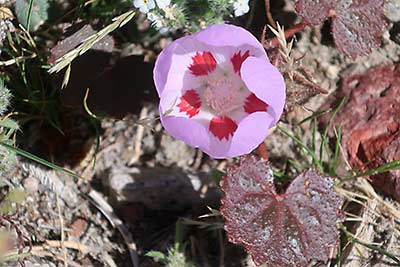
(105, 208)
(61, 219)
(139, 137)
(268, 13)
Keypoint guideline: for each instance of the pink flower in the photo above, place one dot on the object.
(218, 91)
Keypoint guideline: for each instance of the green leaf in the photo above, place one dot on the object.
(311, 153)
(33, 13)
(381, 169)
(15, 257)
(324, 141)
(44, 162)
(156, 255)
(16, 196)
(10, 124)
(217, 175)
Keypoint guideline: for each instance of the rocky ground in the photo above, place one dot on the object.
(143, 180)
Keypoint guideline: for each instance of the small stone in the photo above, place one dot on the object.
(332, 72)
(175, 152)
(159, 188)
(78, 227)
(392, 10)
(31, 185)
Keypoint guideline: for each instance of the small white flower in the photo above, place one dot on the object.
(155, 19)
(163, 3)
(241, 7)
(144, 5)
(158, 23)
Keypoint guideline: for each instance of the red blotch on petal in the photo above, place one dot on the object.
(203, 64)
(190, 103)
(222, 127)
(254, 104)
(237, 59)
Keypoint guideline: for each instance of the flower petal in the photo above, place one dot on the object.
(175, 59)
(172, 61)
(251, 132)
(266, 82)
(203, 64)
(254, 104)
(176, 75)
(190, 131)
(222, 127)
(163, 3)
(163, 65)
(229, 35)
(183, 74)
(190, 103)
(237, 60)
(171, 100)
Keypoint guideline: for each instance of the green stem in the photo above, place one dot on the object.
(354, 239)
(44, 162)
(381, 169)
(308, 150)
(15, 257)
(28, 20)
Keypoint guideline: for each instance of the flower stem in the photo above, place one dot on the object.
(262, 151)
(269, 15)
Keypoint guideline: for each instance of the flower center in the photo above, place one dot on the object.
(222, 95)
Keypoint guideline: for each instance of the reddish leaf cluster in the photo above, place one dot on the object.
(281, 230)
(356, 24)
(370, 121)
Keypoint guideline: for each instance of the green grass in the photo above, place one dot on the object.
(322, 155)
(174, 257)
(327, 159)
(353, 239)
(34, 97)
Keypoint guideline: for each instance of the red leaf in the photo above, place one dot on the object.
(281, 230)
(356, 24)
